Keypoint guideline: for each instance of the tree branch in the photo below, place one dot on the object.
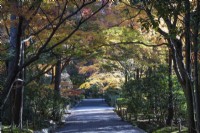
(139, 42)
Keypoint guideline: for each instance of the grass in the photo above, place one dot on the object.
(7, 129)
(153, 126)
(148, 126)
(170, 130)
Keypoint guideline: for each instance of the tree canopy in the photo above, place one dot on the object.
(140, 55)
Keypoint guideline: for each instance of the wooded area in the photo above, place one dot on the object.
(142, 56)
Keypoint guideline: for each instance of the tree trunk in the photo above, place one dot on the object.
(57, 88)
(137, 74)
(196, 76)
(190, 110)
(58, 76)
(184, 80)
(126, 76)
(12, 66)
(18, 90)
(189, 88)
(170, 85)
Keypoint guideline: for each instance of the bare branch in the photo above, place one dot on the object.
(139, 42)
(43, 50)
(43, 71)
(80, 23)
(49, 21)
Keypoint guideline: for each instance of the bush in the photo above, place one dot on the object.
(111, 95)
(42, 105)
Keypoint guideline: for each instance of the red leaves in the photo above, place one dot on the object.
(71, 92)
(86, 12)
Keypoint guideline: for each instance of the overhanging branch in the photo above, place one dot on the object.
(140, 42)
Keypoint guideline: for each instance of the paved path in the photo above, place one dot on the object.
(95, 116)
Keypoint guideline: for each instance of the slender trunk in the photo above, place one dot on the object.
(12, 85)
(170, 85)
(197, 91)
(141, 72)
(190, 110)
(57, 88)
(189, 89)
(196, 78)
(58, 76)
(184, 81)
(12, 68)
(22, 77)
(18, 90)
(126, 76)
(137, 74)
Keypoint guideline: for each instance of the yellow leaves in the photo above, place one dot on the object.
(81, 33)
(88, 69)
(85, 85)
(98, 77)
(104, 80)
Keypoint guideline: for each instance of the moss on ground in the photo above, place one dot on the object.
(170, 130)
(7, 129)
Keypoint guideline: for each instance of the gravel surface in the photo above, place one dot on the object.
(95, 116)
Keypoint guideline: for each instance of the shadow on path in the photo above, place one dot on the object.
(95, 116)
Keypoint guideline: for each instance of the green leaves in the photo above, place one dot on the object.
(121, 34)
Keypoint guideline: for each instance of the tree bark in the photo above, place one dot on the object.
(58, 76)
(17, 91)
(184, 80)
(57, 88)
(170, 98)
(137, 74)
(12, 66)
(189, 88)
(196, 76)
